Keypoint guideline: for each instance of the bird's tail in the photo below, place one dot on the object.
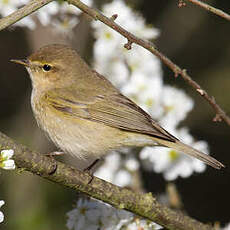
(181, 147)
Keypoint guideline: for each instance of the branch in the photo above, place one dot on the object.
(144, 205)
(22, 12)
(211, 9)
(95, 14)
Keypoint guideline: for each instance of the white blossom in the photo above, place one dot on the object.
(145, 91)
(132, 164)
(123, 178)
(141, 224)
(130, 20)
(65, 25)
(84, 216)
(5, 159)
(93, 215)
(2, 202)
(171, 162)
(142, 61)
(176, 104)
(71, 9)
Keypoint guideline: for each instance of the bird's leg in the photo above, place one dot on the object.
(88, 169)
(91, 165)
(51, 155)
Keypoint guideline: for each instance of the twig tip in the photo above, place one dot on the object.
(114, 17)
(128, 45)
(200, 91)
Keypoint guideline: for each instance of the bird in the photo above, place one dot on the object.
(85, 115)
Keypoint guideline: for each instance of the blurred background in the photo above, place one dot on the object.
(194, 39)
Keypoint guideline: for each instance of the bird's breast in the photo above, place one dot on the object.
(75, 135)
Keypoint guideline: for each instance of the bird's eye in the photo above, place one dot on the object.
(46, 67)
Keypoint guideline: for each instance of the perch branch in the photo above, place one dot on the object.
(22, 12)
(95, 14)
(212, 9)
(144, 205)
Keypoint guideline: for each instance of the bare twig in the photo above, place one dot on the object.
(23, 12)
(150, 47)
(212, 9)
(144, 205)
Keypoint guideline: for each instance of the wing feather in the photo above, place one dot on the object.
(114, 110)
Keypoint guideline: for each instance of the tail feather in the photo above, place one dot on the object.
(179, 146)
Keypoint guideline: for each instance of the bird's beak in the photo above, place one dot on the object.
(24, 62)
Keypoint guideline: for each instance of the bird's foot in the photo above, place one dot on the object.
(54, 165)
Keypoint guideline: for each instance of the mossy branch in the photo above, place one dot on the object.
(144, 205)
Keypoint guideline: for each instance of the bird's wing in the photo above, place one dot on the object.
(114, 110)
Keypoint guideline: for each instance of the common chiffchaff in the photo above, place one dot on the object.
(84, 114)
